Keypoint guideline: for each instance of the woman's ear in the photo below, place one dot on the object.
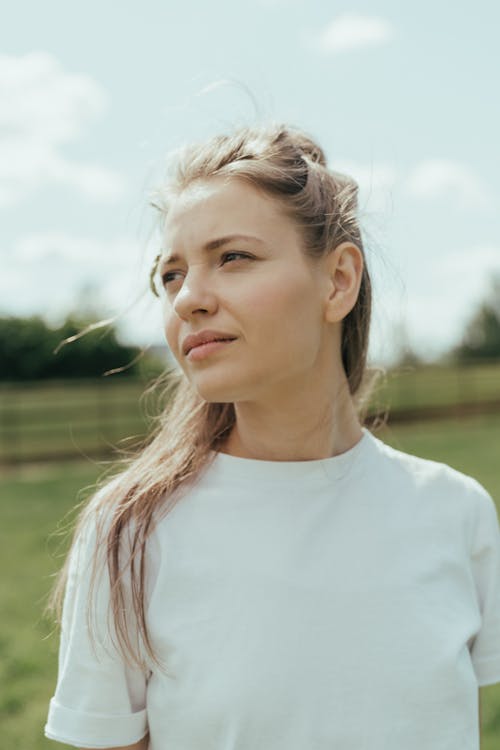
(344, 268)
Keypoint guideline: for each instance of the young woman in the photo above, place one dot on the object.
(267, 574)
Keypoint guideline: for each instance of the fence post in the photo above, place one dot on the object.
(9, 423)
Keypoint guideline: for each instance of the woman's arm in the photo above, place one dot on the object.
(100, 699)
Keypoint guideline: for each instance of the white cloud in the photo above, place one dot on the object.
(471, 263)
(53, 273)
(353, 31)
(437, 178)
(46, 272)
(81, 252)
(43, 107)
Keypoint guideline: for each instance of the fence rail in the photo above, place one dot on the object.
(60, 420)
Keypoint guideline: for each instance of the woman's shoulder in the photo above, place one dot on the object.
(426, 473)
(99, 506)
(96, 517)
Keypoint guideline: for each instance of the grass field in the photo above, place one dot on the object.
(34, 499)
(31, 505)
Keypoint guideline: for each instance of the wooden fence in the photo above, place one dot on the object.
(44, 421)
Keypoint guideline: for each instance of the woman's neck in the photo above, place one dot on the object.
(284, 432)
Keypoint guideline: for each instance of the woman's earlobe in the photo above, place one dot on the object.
(332, 306)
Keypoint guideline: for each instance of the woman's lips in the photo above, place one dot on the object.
(205, 350)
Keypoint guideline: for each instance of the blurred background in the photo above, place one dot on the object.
(92, 98)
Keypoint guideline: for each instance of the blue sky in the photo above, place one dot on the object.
(401, 96)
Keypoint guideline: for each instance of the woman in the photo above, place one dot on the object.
(275, 575)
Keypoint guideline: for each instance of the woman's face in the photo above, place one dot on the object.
(270, 298)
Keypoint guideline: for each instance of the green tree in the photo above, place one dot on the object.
(405, 354)
(28, 350)
(481, 337)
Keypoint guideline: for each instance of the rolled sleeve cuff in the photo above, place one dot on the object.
(85, 729)
(487, 671)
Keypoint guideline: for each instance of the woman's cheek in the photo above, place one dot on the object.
(171, 337)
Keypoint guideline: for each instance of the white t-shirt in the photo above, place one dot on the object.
(351, 602)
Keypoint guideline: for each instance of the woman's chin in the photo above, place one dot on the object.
(217, 391)
(214, 393)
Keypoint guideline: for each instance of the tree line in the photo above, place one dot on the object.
(32, 350)
(479, 340)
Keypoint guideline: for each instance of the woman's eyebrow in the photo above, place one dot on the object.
(212, 245)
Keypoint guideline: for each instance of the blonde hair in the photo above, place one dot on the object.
(291, 168)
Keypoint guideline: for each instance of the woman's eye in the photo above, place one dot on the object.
(233, 252)
(169, 276)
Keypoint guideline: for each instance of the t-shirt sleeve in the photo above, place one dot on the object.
(99, 701)
(485, 559)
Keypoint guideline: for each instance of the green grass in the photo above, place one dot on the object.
(31, 504)
(34, 499)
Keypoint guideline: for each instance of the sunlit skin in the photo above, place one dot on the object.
(284, 372)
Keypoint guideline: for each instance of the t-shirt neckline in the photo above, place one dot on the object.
(333, 467)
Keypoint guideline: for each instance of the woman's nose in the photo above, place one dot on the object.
(195, 294)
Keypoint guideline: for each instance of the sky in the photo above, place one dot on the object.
(401, 96)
